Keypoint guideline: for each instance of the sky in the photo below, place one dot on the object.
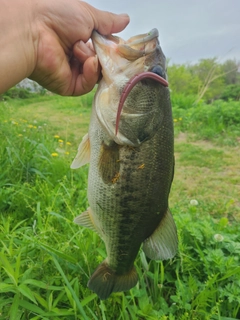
(189, 30)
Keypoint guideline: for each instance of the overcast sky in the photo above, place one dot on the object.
(188, 29)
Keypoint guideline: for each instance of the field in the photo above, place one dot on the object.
(46, 259)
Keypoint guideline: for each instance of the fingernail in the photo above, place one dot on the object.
(124, 15)
(84, 48)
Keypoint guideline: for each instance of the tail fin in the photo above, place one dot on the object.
(104, 281)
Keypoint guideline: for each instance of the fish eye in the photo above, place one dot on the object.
(158, 70)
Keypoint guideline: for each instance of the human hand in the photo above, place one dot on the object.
(64, 62)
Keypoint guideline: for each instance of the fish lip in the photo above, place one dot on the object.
(142, 38)
(107, 40)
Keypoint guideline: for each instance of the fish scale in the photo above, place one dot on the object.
(131, 168)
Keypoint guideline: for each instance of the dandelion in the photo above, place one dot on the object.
(218, 237)
(15, 123)
(67, 153)
(54, 154)
(30, 126)
(180, 119)
(175, 120)
(56, 136)
(193, 202)
(60, 141)
(68, 143)
(34, 127)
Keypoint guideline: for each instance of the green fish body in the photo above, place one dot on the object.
(131, 171)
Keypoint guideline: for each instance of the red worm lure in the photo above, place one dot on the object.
(130, 84)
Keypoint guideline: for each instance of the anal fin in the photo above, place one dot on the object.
(163, 243)
(86, 220)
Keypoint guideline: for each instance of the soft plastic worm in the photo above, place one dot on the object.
(131, 83)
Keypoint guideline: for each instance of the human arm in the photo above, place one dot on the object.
(40, 39)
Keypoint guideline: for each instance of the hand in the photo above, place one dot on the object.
(65, 64)
(58, 55)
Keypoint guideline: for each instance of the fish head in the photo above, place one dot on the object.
(120, 61)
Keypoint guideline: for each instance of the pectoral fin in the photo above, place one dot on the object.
(109, 164)
(163, 243)
(86, 220)
(83, 155)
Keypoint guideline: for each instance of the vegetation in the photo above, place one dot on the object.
(46, 260)
(208, 80)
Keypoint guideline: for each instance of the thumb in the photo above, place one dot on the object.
(107, 22)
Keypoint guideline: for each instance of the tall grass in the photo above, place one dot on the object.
(218, 121)
(46, 260)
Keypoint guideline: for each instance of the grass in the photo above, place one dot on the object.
(46, 260)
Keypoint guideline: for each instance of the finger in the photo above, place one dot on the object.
(88, 78)
(107, 22)
(82, 51)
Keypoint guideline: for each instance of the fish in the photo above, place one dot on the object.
(130, 150)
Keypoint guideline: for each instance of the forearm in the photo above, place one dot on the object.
(17, 38)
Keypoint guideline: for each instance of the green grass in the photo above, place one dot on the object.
(46, 259)
(218, 122)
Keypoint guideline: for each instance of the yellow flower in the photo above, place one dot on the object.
(20, 135)
(34, 127)
(180, 119)
(30, 126)
(60, 141)
(175, 120)
(68, 143)
(56, 136)
(54, 154)
(67, 153)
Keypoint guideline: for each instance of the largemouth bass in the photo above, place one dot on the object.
(130, 150)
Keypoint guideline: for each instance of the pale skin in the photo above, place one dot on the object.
(47, 41)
